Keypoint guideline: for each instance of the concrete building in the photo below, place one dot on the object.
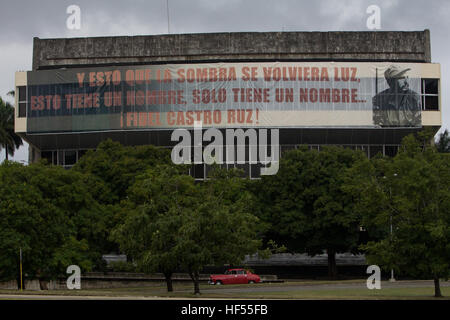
(322, 110)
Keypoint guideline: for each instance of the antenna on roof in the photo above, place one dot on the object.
(168, 18)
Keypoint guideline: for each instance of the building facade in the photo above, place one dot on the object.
(362, 90)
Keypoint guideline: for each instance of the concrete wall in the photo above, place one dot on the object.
(98, 280)
(240, 46)
(297, 259)
(9, 285)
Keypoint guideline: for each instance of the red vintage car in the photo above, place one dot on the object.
(234, 276)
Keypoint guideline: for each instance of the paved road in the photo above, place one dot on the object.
(61, 297)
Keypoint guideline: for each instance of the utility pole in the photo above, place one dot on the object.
(392, 279)
(21, 281)
(168, 17)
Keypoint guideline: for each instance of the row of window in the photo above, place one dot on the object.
(370, 150)
(67, 158)
(429, 95)
(200, 171)
(22, 100)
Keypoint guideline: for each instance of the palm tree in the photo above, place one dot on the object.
(443, 143)
(9, 140)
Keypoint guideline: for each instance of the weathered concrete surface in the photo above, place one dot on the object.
(399, 46)
(288, 259)
(9, 285)
(99, 280)
(32, 285)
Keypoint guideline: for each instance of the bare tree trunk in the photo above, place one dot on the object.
(195, 278)
(6, 151)
(332, 268)
(196, 283)
(168, 276)
(437, 288)
(43, 284)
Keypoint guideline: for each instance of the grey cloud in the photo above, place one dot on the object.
(23, 20)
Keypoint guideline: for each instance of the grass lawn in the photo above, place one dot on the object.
(353, 294)
(293, 291)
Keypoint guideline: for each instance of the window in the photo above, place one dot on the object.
(208, 170)
(255, 170)
(374, 150)
(390, 151)
(245, 168)
(199, 171)
(61, 157)
(364, 149)
(286, 148)
(70, 158)
(430, 94)
(48, 155)
(22, 100)
(81, 153)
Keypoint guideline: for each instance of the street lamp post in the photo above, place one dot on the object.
(21, 281)
(392, 279)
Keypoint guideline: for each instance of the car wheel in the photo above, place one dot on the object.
(251, 282)
(218, 283)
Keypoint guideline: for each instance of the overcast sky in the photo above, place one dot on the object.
(22, 20)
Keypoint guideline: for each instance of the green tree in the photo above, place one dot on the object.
(109, 172)
(411, 193)
(222, 229)
(156, 204)
(9, 140)
(306, 205)
(118, 166)
(443, 142)
(39, 205)
(173, 223)
(74, 193)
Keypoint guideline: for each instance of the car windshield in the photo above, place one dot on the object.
(230, 272)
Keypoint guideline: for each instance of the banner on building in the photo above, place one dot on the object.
(225, 95)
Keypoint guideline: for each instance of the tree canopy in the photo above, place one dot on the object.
(134, 199)
(118, 166)
(153, 213)
(174, 224)
(443, 142)
(411, 193)
(39, 213)
(306, 206)
(9, 140)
